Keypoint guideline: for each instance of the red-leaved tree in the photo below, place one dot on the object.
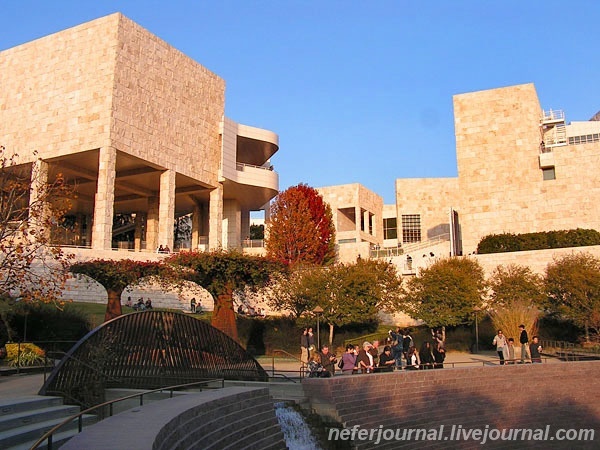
(300, 229)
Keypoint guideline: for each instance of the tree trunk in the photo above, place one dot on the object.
(113, 307)
(223, 317)
(330, 334)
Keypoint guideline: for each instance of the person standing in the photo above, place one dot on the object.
(397, 346)
(535, 349)
(304, 344)
(328, 359)
(500, 343)
(349, 360)
(193, 305)
(524, 340)
(426, 356)
(364, 358)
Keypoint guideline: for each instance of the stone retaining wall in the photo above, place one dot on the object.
(517, 396)
(229, 418)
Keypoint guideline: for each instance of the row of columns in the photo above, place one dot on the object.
(160, 217)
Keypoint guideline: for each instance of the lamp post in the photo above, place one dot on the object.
(476, 310)
(318, 311)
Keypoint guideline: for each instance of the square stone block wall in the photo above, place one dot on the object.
(56, 92)
(432, 199)
(167, 108)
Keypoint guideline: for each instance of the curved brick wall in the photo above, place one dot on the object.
(520, 396)
(234, 417)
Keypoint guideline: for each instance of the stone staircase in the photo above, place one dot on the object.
(24, 420)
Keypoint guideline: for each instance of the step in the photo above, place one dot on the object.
(32, 432)
(22, 418)
(16, 405)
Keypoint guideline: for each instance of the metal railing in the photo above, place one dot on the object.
(79, 417)
(302, 370)
(570, 351)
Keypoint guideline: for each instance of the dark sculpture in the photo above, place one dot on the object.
(148, 350)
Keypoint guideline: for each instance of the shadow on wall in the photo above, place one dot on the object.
(438, 230)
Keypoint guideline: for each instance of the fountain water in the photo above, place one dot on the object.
(297, 433)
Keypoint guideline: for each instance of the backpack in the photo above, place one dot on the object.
(341, 363)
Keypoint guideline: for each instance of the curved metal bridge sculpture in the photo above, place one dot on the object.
(148, 350)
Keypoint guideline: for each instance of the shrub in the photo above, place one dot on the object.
(25, 354)
(508, 242)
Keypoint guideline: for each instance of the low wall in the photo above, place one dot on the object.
(234, 417)
(533, 396)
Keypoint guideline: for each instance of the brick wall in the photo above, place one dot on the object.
(520, 396)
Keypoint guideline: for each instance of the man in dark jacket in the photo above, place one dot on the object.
(524, 340)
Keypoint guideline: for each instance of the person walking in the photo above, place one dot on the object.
(500, 343)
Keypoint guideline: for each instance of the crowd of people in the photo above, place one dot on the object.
(506, 348)
(398, 353)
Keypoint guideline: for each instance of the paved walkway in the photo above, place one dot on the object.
(23, 385)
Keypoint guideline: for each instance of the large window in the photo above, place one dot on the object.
(411, 228)
(390, 228)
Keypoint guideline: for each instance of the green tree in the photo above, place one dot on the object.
(301, 229)
(446, 293)
(116, 275)
(348, 293)
(515, 295)
(222, 273)
(573, 288)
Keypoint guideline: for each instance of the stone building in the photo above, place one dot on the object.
(138, 128)
(521, 169)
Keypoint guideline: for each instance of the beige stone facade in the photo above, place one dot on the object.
(137, 128)
(513, 177)
(358, 219)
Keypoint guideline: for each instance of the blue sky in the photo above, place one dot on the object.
(359, 92)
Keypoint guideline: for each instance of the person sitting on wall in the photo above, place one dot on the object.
(160, 249)
(148, 304)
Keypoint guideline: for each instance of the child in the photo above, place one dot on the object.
(510, 351)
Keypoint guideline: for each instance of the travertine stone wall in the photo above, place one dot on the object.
(497, 147)
(355, 196)
(104, 199)
(167, 108)
(431, 198)
(56, 91)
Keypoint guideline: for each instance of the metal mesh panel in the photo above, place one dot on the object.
(147, 350)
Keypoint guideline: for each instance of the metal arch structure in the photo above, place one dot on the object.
(148, 350)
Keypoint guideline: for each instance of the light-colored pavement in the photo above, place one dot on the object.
(24, 385)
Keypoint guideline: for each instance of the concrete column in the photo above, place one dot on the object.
(137, 234)
(196, 227)
(38, 208)
(166, 209)
(215, 218)
(152, 225)
(245, 224)
(357, 217)
(104, 200)
(232, 224)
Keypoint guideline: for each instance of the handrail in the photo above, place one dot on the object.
(302, 363)
(48, 435)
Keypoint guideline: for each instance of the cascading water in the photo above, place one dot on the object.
(297, 433)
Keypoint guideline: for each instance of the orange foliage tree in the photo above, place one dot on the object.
(30, 205)
(300, 229)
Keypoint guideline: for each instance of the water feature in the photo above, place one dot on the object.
(298, 434)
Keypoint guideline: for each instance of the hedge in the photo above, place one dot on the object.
(508, 242)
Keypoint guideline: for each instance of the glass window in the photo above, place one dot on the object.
(390, 228)
(549, 174)
(411, 228)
